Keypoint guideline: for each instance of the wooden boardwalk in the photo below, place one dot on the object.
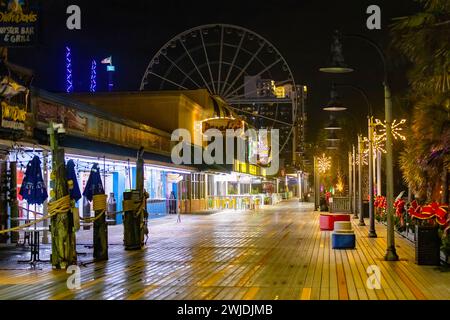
(275, 253)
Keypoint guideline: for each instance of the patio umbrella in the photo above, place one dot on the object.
(33, 187)
(94, 186)
(74, 189)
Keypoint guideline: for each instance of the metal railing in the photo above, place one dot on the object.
(339, 204)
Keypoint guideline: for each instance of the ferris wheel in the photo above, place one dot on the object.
(237, 64)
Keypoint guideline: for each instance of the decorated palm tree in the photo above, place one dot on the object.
(423, 39)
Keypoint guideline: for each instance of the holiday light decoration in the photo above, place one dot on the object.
(324, 163)
(377, 144)
(69, 79)
(396, 128)
(93, 86)
(340, 183)
(365, 157)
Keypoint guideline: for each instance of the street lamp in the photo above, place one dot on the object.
(332, 137)
(333, 124)
(337, 65)
(372, 232)
(334, 104)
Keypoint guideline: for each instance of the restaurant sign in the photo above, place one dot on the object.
(222, 124)
(248, 168)
(18, 23)
(13, 117)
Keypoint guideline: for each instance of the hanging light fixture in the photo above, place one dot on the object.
(332, 136)
(336, 63)
(331, 145)
(333, 124)
(334, 104)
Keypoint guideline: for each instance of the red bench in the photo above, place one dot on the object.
(327, 220)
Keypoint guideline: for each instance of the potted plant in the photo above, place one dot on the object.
(428, 219)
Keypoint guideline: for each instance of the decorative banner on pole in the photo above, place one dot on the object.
(19, 21)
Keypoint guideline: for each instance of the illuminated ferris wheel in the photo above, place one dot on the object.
(232, 62)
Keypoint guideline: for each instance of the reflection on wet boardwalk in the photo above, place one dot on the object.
(275, 253)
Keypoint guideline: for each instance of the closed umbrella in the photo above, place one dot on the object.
(93, 190)
(74, 191)
(72, 181)
(33, 188)
(94, 184)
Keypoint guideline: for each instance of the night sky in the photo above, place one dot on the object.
(132, 31)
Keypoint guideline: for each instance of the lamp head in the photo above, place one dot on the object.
(334, 104)
(332, 137)
(336, 63)
(333, 125)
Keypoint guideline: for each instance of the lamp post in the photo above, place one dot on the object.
(360, 164)
(335, 105)
(378, 173)
(337, 65)
(372, 233)
(355, 216)
(316, 185)
(350, 182)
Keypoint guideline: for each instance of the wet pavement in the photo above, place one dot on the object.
(273, 253)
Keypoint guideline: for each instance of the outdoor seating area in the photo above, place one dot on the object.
(243, 202)
(343, 237)
(327, 220)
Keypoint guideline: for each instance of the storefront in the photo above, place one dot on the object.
(117, 176)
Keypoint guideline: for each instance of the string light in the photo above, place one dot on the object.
(324, 163)
(93, 86)
(340, 183)
(378, 144)
(69, 79)
(396, 128)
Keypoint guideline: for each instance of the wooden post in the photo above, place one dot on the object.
(133, 221)
(3, 199)
(13, 204)
(140, 172)
(45, 239)
(100, 234)
(62, 226)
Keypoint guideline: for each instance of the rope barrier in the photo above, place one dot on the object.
(99, 204)
(62, 205)
(132, 205)
(29, 210)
